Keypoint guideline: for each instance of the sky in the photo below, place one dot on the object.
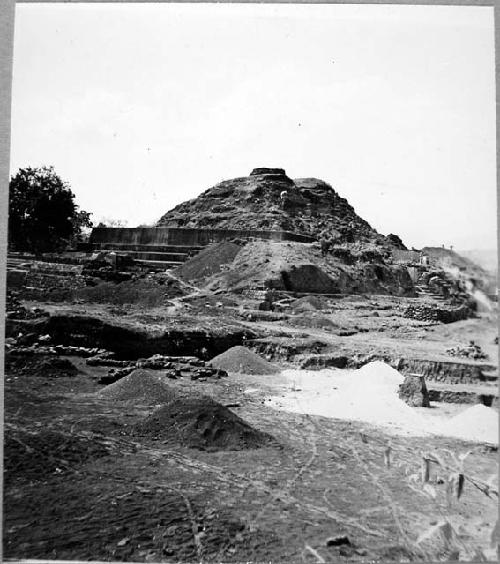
(142, 106)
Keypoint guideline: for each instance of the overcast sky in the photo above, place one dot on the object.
(140, 107)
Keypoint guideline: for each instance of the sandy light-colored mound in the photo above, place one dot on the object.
(477, 423)
(200, 422)
(140, 385)
(370, 394)
(242, 360)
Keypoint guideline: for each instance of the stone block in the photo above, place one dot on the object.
(414, 392)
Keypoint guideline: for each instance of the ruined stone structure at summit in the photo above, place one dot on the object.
(268, 199)
(266, 205)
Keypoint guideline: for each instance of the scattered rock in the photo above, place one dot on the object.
(471, 351)
(338, 540)
(437, 314)
(47, 366)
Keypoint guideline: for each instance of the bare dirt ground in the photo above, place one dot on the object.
(80, 485)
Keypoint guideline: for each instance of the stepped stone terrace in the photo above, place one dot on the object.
(171, 246)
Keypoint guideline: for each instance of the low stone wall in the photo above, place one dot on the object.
(47, 281)
(182, 236)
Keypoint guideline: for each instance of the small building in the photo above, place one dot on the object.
(406, 257)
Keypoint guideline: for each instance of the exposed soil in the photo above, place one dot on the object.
(241, 359)
(187, 466)
(200, 422)
(201, 479)
(135, 336)
(33, 456)
(209, 261)
(48, 366)
(150, 290)
(140, 385)
(129, 498)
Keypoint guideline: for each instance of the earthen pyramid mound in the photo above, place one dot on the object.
(268, 199)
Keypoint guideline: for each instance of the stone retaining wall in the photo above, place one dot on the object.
(181, 236)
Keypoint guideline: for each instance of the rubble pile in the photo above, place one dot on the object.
(40, 366)
(268, 199)
(471, 351)
(15, 310)
(437, 314)
(173, 367)
(32, 343)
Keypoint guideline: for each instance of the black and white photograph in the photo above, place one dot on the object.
(251, 301)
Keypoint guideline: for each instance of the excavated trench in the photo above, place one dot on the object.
(312, 356)
(131, 343)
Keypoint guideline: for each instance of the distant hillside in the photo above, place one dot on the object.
(447, 258)
(269, 200)
(486, 258)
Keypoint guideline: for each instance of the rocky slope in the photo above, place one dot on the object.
(461, 267)
(269, 200)
(296, 267)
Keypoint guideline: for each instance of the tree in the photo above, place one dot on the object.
(43, 216)
(110, 222)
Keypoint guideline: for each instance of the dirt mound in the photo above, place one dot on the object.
(200, 422)
(123, 521)
(39, 365)
(243, 360)
(140, 385)
(300, 267)
(34, 456)
(308, 303)
(152, 290)
(209, 261)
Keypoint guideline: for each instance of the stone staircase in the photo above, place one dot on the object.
(424, 291)
(154, 257)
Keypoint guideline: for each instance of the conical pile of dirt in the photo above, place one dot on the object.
(244, 361)
(140, 385)
(308, 303)
(200, 422)
(209, 261)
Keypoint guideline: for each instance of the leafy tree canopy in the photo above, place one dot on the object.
(43, 216)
